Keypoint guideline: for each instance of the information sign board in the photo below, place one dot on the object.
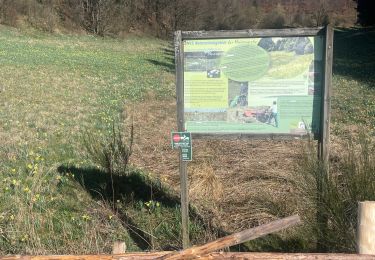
(255, 85)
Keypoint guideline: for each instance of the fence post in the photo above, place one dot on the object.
(366, 227)
(119, 247)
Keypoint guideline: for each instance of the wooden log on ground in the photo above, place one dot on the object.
(234, 239)
(219, 256)
(282, 256)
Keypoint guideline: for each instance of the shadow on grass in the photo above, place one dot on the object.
(167, 66)
(168, 63)
(275, 243)
(354, 54)
(133, 187)
(137, 187)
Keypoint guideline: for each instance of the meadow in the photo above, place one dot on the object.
(55, 90)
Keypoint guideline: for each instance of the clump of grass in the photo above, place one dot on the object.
(112, 153)
(205, 184)
(333, 196)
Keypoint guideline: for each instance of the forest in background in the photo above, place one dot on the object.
(161, 17)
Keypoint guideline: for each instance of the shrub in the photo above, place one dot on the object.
(334, 196)
(272, 20)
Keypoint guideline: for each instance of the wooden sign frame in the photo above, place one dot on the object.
(323, 138)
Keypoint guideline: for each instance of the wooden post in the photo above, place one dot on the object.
(326, 106)
(323, 148)
(366, 228)
(119, 247)
(234, 239)
(180, 122)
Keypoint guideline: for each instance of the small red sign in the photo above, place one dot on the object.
(176, 138)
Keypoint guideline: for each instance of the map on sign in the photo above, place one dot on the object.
(182, 140)
(253, 85)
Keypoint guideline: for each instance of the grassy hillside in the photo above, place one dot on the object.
(55, 90)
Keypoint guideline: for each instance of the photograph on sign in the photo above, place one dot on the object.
(253, 85)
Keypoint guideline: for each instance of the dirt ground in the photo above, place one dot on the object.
(237, 183)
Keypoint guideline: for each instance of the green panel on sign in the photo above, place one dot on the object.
(245, 62)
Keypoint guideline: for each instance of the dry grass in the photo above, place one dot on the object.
(242, 183)
(237, 184)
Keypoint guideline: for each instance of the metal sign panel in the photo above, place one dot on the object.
(182, 140)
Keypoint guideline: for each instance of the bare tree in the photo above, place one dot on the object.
(320, 15)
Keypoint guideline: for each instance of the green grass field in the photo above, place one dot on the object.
(56, 88)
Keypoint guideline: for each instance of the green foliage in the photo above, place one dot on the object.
(353, 102)
(43, 211)
(161, 225)
(334, 195)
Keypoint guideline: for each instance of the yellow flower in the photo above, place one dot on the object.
(24, 238)
(30, 166)
(86, 217)
(13, 170)
(36, 197)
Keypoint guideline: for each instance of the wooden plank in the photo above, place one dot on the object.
(220, 255)
(181, 127)
(281, 256)
(234, 239)
(250, 33)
